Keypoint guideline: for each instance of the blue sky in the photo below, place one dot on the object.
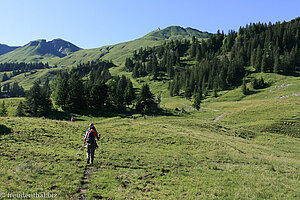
(95, 23)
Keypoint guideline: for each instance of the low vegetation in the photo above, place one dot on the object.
(235, 147)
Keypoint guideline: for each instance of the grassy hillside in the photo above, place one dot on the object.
(26, 80)
(117, 53)
(235, 147)
(5, 49)
(40, 50)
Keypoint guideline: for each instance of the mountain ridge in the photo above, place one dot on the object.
(43, 51)
(6, 49)
(38, 50)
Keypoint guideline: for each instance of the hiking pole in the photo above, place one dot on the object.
(79, 150)
(102, 152)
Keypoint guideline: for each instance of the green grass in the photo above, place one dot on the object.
(187, 158)
(26, 81)
(38, 156)
(250, 152)
(117, 53)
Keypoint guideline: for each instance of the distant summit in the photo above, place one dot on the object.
(39, 50)
(5, 49)
(56, 47)
(177, 32)
(61, 52)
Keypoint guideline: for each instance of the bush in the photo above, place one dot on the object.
(258, 83)
(4, 130)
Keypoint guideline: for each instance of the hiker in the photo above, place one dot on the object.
(72, 119)
(90, 138)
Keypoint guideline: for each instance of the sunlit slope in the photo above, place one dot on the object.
(117, 53)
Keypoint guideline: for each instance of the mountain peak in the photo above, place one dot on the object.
(5, 48)
(177, 32)
(57, 47)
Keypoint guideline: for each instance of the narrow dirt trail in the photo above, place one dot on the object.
(85, 183)
(219, 118)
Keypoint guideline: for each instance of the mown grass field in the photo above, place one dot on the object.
(235, 147)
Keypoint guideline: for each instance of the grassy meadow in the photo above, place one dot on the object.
(235, 147)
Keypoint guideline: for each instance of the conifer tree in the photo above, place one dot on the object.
(244, 87)
(258, 58)
(20, 109)
(276, 64)
(61, 92)
(129, 95)
(76, 100)
(5, 77)
(3, 109)
(37, 103)
(197, 100)
(98, 95)
(264, 64)
(216, 86)
(145, 99)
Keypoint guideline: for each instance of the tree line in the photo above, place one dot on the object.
(219, 62)
(11, 90)
(100, 92)
(22, 66)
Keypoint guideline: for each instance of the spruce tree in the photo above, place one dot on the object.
(61, 92)
(264, 64)
(129, 95)
(119, 96)
(197, 100)
(20, 110)
(3, 109)
(33, 100)
(145, 99)
(37, 102)
(98, 95)
(258, 58)
(76, 101)
(276, 64)
(5, 77)
(244, 87)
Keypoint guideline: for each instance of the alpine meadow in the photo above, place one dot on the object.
(181, 114)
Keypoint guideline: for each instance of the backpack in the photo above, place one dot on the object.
(91, 137)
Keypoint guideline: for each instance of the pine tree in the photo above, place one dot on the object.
(258, 58)
(244, 87)
(252, 58)
(216, 86)
(197, 100)
(193, 47)
(119, 96)
(264, 64)
(37, 103)
(20, 110)
(3, 110)
(129, 95)
(5, 77)
(61, 93)
(76, 101)
(33, 100)
(98, 95)
(276, 64)
(145, 99)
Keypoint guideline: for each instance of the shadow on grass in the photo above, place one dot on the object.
(4, 130)
(107, 113)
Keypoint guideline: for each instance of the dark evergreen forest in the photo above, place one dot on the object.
(220, 62)
(193, 67)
